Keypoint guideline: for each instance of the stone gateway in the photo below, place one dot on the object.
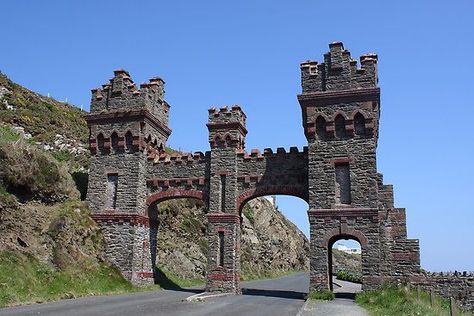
(335, 174)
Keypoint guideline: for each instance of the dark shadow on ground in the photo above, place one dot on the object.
(166, 283)
(346, 295)
(274, 293)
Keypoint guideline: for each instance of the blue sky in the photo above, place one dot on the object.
(214, 53)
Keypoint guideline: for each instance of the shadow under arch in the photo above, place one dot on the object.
(158, 217)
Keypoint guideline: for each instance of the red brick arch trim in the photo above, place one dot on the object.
(246, 196)
(175, 194)
(344, 232)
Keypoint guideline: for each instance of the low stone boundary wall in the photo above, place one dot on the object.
(458, 285)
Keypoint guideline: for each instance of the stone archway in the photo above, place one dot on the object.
(172, 209)
(335, 173)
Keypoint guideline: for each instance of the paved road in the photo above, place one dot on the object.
(342, 305)
(282, 296)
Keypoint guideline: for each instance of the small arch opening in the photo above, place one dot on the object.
(129, 141)
(228, 140)
(219, 142)
(359, 124)
(345, 265)
(114, 141)
(101, 143)
(340, 127)
(321, 128)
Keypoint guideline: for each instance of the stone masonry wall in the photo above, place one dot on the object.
(340, 108)
(458, 285)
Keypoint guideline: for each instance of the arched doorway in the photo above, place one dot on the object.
(178, 244)
(344, 262)
(272, 245)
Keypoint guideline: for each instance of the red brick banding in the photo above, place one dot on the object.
(293, 190)
(174, 194)
(113, 218)
(223, 218)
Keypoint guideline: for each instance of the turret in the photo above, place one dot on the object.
(227, 127)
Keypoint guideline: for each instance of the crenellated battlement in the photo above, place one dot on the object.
(224, 115)
(121, 94)
(178, 158)
(227, 127)
(339, 71)
(255, 154)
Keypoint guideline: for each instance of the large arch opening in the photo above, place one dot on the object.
(345, 264)
(178, 244)
(275, 242)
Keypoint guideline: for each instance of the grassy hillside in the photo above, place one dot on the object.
(40, 116)
(25, 279)
(50, 248)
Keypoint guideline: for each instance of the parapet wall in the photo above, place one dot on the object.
(339, 71)
(270, 173)
(121, 93)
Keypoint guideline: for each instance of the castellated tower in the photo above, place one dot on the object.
(226, 136)
(125, 124)
(347, 200)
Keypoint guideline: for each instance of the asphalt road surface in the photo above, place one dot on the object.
(282, 296)
(343, 305)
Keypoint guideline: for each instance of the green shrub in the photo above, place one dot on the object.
(348, 276)
(325, 295)
(249, 213)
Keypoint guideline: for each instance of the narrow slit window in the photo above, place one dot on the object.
(114, 140)
(221, 249)
(112, 183)
(321, 128)
(359, 124)
(222, 202)
(129, 141)
(340, 127)
(343, 183)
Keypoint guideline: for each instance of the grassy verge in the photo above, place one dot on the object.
(324, 295)
(24, 279)
(391, 300)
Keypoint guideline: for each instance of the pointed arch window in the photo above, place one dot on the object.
(129, 141)
(321, 128)
(114, 140)
(359, 124)
(340, 127)
(100, 143)
(228, 140)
